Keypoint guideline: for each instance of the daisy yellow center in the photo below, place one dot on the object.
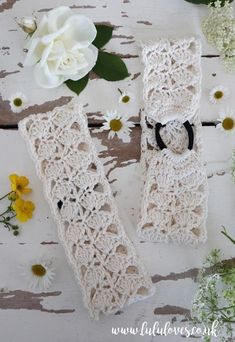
(18, 102)
(218, 95)
(228, 124)
(38, 270)
(115, 125)
(125, 99)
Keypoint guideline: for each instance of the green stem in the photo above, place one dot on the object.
(5, 219)
(226, 272)
(6, 222)
(5, 212)
(225, 308)
(227, 320)
(6, 195)
(120, 91)
(224, 232)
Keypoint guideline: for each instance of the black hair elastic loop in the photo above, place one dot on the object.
(188, 128)
(159, 140)
(190, 134)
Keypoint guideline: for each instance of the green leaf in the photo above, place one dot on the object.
(205, 2)
(78, 86)
(104, 34)
(110, 67)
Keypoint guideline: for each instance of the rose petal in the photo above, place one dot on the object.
(90, 54)
(81, 30)
(57, 17)
(57, 51)
(45, 78)
(46, 53)
(34, 44)
(31, 57)
(61, 47)
(52, 36)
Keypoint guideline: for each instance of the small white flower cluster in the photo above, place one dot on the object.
(214, 299)
(200, 310)
(219, 29)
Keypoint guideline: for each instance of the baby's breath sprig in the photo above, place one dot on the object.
(215, 298)
(219, 28)
(17, 208)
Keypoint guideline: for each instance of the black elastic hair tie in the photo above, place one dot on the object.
(188, 128)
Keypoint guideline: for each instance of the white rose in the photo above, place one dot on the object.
(61, 48)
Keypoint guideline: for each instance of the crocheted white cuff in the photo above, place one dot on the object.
(81, 201)
(175, 190)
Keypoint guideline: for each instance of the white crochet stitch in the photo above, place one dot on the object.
(102, 256)
(175, 190)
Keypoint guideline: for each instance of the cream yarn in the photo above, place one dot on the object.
(175, 190)
(102, 256)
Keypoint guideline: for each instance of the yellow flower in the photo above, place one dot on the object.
(19, 184)
(23, 209)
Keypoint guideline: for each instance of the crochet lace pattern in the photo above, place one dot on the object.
(102, 256)
(175, 189)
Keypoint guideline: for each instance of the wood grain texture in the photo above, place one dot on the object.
(17, 300)
(129, 32)
(8, 118)
(59, 314)
(7, 4)
(172, 267)
(191, 273)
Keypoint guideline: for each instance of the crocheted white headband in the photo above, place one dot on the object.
(175, 191)
(175, 186)
(102, 256)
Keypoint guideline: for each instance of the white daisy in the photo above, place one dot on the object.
(226, 122)
(117, 125)
(39, 273)
(18, 102)
(125, 97)
(218, 94)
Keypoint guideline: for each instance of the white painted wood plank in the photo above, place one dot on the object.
(143, 22)
(160, 259)
(134, 23)
(217, 154)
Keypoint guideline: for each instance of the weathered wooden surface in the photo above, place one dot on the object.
(133, 22)
(173, 268)
(58, 314)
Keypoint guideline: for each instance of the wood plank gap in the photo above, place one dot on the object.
(97, 125)
(210, 56)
